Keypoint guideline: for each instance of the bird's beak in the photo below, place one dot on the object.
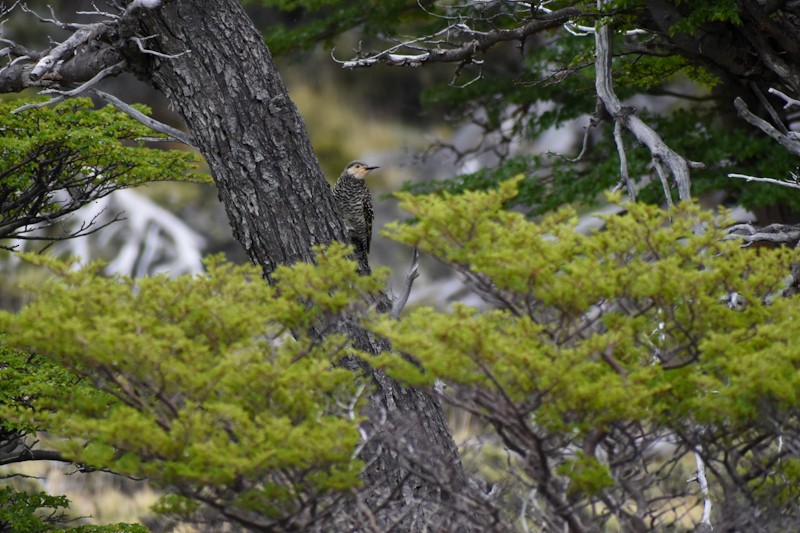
(370, 168)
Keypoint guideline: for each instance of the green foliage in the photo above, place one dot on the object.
(72, 148)
(626, 327)
(74, 136)
(25, 377)
(324, 20)
(37, 512)
(207, 381)
(20, 511)
(706, 11)
(111, 528)
(646, 72)
(587, 475)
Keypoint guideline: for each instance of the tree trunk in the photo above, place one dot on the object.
(279, 204)
(235, 104)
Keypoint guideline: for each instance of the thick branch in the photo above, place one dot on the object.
(79, 38)
(89, 51)
(700, 477)
(26, 454)
(774, 233)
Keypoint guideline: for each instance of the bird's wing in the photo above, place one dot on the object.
(368, 215)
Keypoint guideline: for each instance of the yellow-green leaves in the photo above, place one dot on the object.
(55, 143)
(628, 327)
(206, 381)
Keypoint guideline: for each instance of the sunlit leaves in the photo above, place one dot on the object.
(207, 381)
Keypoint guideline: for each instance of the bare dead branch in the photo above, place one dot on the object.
(112, 70)
(151, 123)
(83, 55)
(140, 43)
(18, 50)
(37, 105)
(773, 233)
(790, 102)
(466, 51)
(411, 275)
(771, 110)
(786, 141)
(79, 38)
(659, 150)
(700, 477)
(662, 176)
(794, 184)
(53, 20)
(623, 160)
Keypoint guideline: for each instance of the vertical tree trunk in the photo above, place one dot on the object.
(279, 204)
(232, 98)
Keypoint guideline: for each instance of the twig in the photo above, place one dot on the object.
(151, 123)
(411, 275)
(37, 105)
(579, 30)
(97, 78)
(770, 110)
(53, 20)
(98, 13)
(790, 102)
(142, 49)
(790, 184)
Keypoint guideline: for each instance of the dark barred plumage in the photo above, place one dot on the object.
(354, 203)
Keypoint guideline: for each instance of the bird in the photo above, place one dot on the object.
(354, 203)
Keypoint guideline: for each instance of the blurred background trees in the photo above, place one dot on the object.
(519, 105)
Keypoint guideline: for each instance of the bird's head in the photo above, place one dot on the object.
(357, 169)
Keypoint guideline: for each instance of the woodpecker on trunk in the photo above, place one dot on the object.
(354, 203)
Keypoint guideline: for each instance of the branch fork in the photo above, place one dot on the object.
(664, 158)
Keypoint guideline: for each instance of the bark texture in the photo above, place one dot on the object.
(233, 100)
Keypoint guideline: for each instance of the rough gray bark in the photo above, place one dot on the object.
(236, 105)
